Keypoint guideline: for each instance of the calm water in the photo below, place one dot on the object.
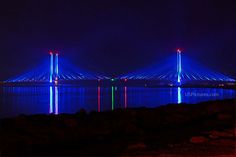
(34, 100)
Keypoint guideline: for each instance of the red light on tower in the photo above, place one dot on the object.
(56, 52)
(53, 52)
(179, 50)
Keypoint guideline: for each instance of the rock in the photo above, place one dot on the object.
(221, 134)
(137, 146)
(21, 121)
(70, 122)
(224, 117)
(132, 129)
(230, 143)
(198, 139)
(213, 136)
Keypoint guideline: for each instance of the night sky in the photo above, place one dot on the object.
(116, 37)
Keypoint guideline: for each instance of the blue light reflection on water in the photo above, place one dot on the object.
(53, 99)
(179, 95)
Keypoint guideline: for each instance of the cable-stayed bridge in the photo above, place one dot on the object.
(178, 71)
(57, 70)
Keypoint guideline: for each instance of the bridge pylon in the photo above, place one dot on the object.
(54, 68)
(179, 66)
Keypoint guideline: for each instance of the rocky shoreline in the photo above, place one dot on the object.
(204, 129)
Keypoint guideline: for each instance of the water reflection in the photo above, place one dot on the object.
(179, 95)
(112, 98)
(53, 100)
(60, 99)
(56, 100)
(125, 95)
(99, 99)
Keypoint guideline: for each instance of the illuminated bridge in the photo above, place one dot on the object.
(57, 70)
(178, 71)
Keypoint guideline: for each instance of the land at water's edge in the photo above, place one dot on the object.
(204, 129)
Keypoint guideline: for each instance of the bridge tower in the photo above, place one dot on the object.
(179, 66)
(54, 69)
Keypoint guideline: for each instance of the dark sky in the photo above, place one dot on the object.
(116, 37)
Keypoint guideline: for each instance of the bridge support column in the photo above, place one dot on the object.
(179, 66)
(53, 67)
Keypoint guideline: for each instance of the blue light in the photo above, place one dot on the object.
(53, 106)
(165, 71)
(56, 64)
(56, 100)
(51, 67)
(179, 95)
(51, 100)
(179, 65)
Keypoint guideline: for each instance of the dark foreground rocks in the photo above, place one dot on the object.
(204, 129)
